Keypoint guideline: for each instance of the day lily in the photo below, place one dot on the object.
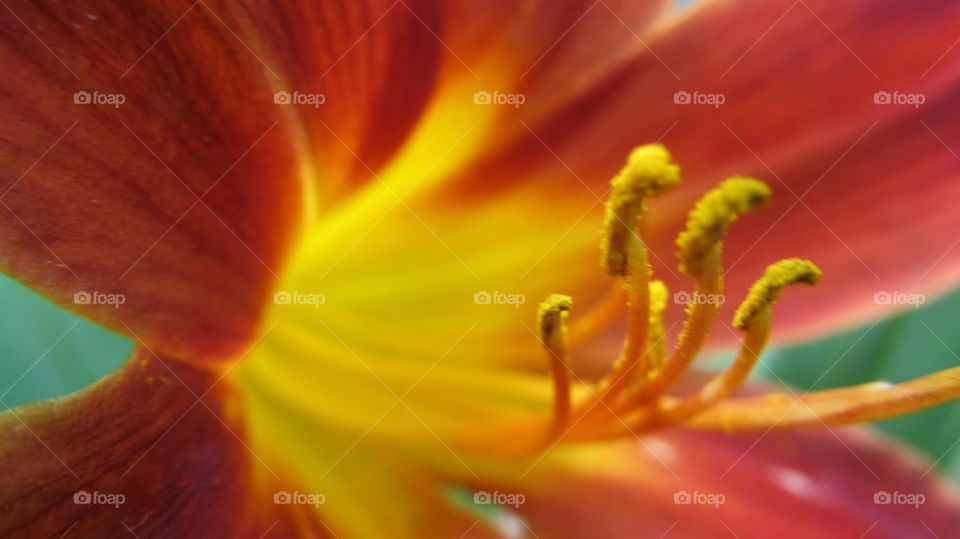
(355, 244)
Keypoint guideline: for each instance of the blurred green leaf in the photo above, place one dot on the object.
(46, 351)
(906, 346)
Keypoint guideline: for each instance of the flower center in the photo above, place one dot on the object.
(363, 345)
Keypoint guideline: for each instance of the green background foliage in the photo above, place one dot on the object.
(48, 352)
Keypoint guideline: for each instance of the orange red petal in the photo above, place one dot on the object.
(153, 450)
(841, 483)
(144, 159)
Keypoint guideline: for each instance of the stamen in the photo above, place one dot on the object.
(700, 248)
(551, 315)
(654, 355)
(753, 317)
(643, 368)
(765, 291)
(632, 359)
(759, 301)
(712, 217)
(649, 172)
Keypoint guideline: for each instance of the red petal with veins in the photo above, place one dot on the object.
(142, 433)
(181, 198)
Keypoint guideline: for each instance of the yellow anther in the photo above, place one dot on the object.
(766, 290)
(550, 315)
(713, 215)
(649, 172)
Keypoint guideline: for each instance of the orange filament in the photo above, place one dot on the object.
(601, 315)
(634, 395)
(553, 335)
(867, 402)
(633, 358)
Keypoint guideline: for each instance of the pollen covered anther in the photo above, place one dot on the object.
(550, 315)
(712, 216)
(648, 173)
(765, 291)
